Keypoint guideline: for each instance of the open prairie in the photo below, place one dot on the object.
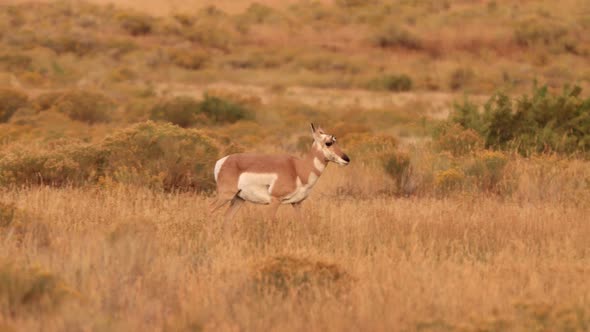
(466, 205)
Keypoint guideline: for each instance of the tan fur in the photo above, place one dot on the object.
(286, 179)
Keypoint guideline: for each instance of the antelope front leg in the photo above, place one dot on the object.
(297, 208)
(274, 206)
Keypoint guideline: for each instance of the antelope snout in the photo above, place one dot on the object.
(346, 159)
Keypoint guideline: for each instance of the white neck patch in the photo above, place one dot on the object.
(318, 165)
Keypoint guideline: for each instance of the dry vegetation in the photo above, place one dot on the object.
(465, 206)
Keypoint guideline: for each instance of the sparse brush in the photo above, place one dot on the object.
(392, 82)
(489, 170)
(86, 106)
(15, 62)
(189, 58)
(46, 100)
(29, 291)
(300, 277)
(461, 78)
(7, 212)
(398, 166)
(457, 139)
(392, 35)
(181, 111)
(10, 101)
(75, 42)
(223, 111)
(136, 24)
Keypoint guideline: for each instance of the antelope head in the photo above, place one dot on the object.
(326, 143)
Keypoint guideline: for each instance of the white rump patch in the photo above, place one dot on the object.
(256, 187)
(218, 165)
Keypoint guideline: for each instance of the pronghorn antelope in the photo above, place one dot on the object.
(274, 179)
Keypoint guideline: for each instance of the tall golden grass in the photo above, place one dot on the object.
(418, 233)
(126, 258)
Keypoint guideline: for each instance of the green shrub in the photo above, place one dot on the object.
(136, 24)
(10, 101)
(467, 115)
(223, 111)
(182, 111)
(86, 106)
(391, 83)
(543, 122)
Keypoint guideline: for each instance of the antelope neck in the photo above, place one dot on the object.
(314, 163)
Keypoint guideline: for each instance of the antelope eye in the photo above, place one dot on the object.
(329, 143)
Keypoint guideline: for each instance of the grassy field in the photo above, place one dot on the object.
(129, 259)
(465, 206)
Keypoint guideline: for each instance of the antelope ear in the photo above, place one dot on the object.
(312, 128)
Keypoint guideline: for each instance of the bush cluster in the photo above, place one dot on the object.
(10, 101)
(392, 82)
(15, 62)
(29, 290)
(86, 106)
(542, 122)
(187, 111)
(136, 24)
(300, 276)
(392, 35)
(160, 156)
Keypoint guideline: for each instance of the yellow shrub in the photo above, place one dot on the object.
(300, 276)
(448, 180)
(160, 156)
(171, 157)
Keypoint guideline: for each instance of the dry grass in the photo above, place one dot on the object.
(486, 241)
(133, 259)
